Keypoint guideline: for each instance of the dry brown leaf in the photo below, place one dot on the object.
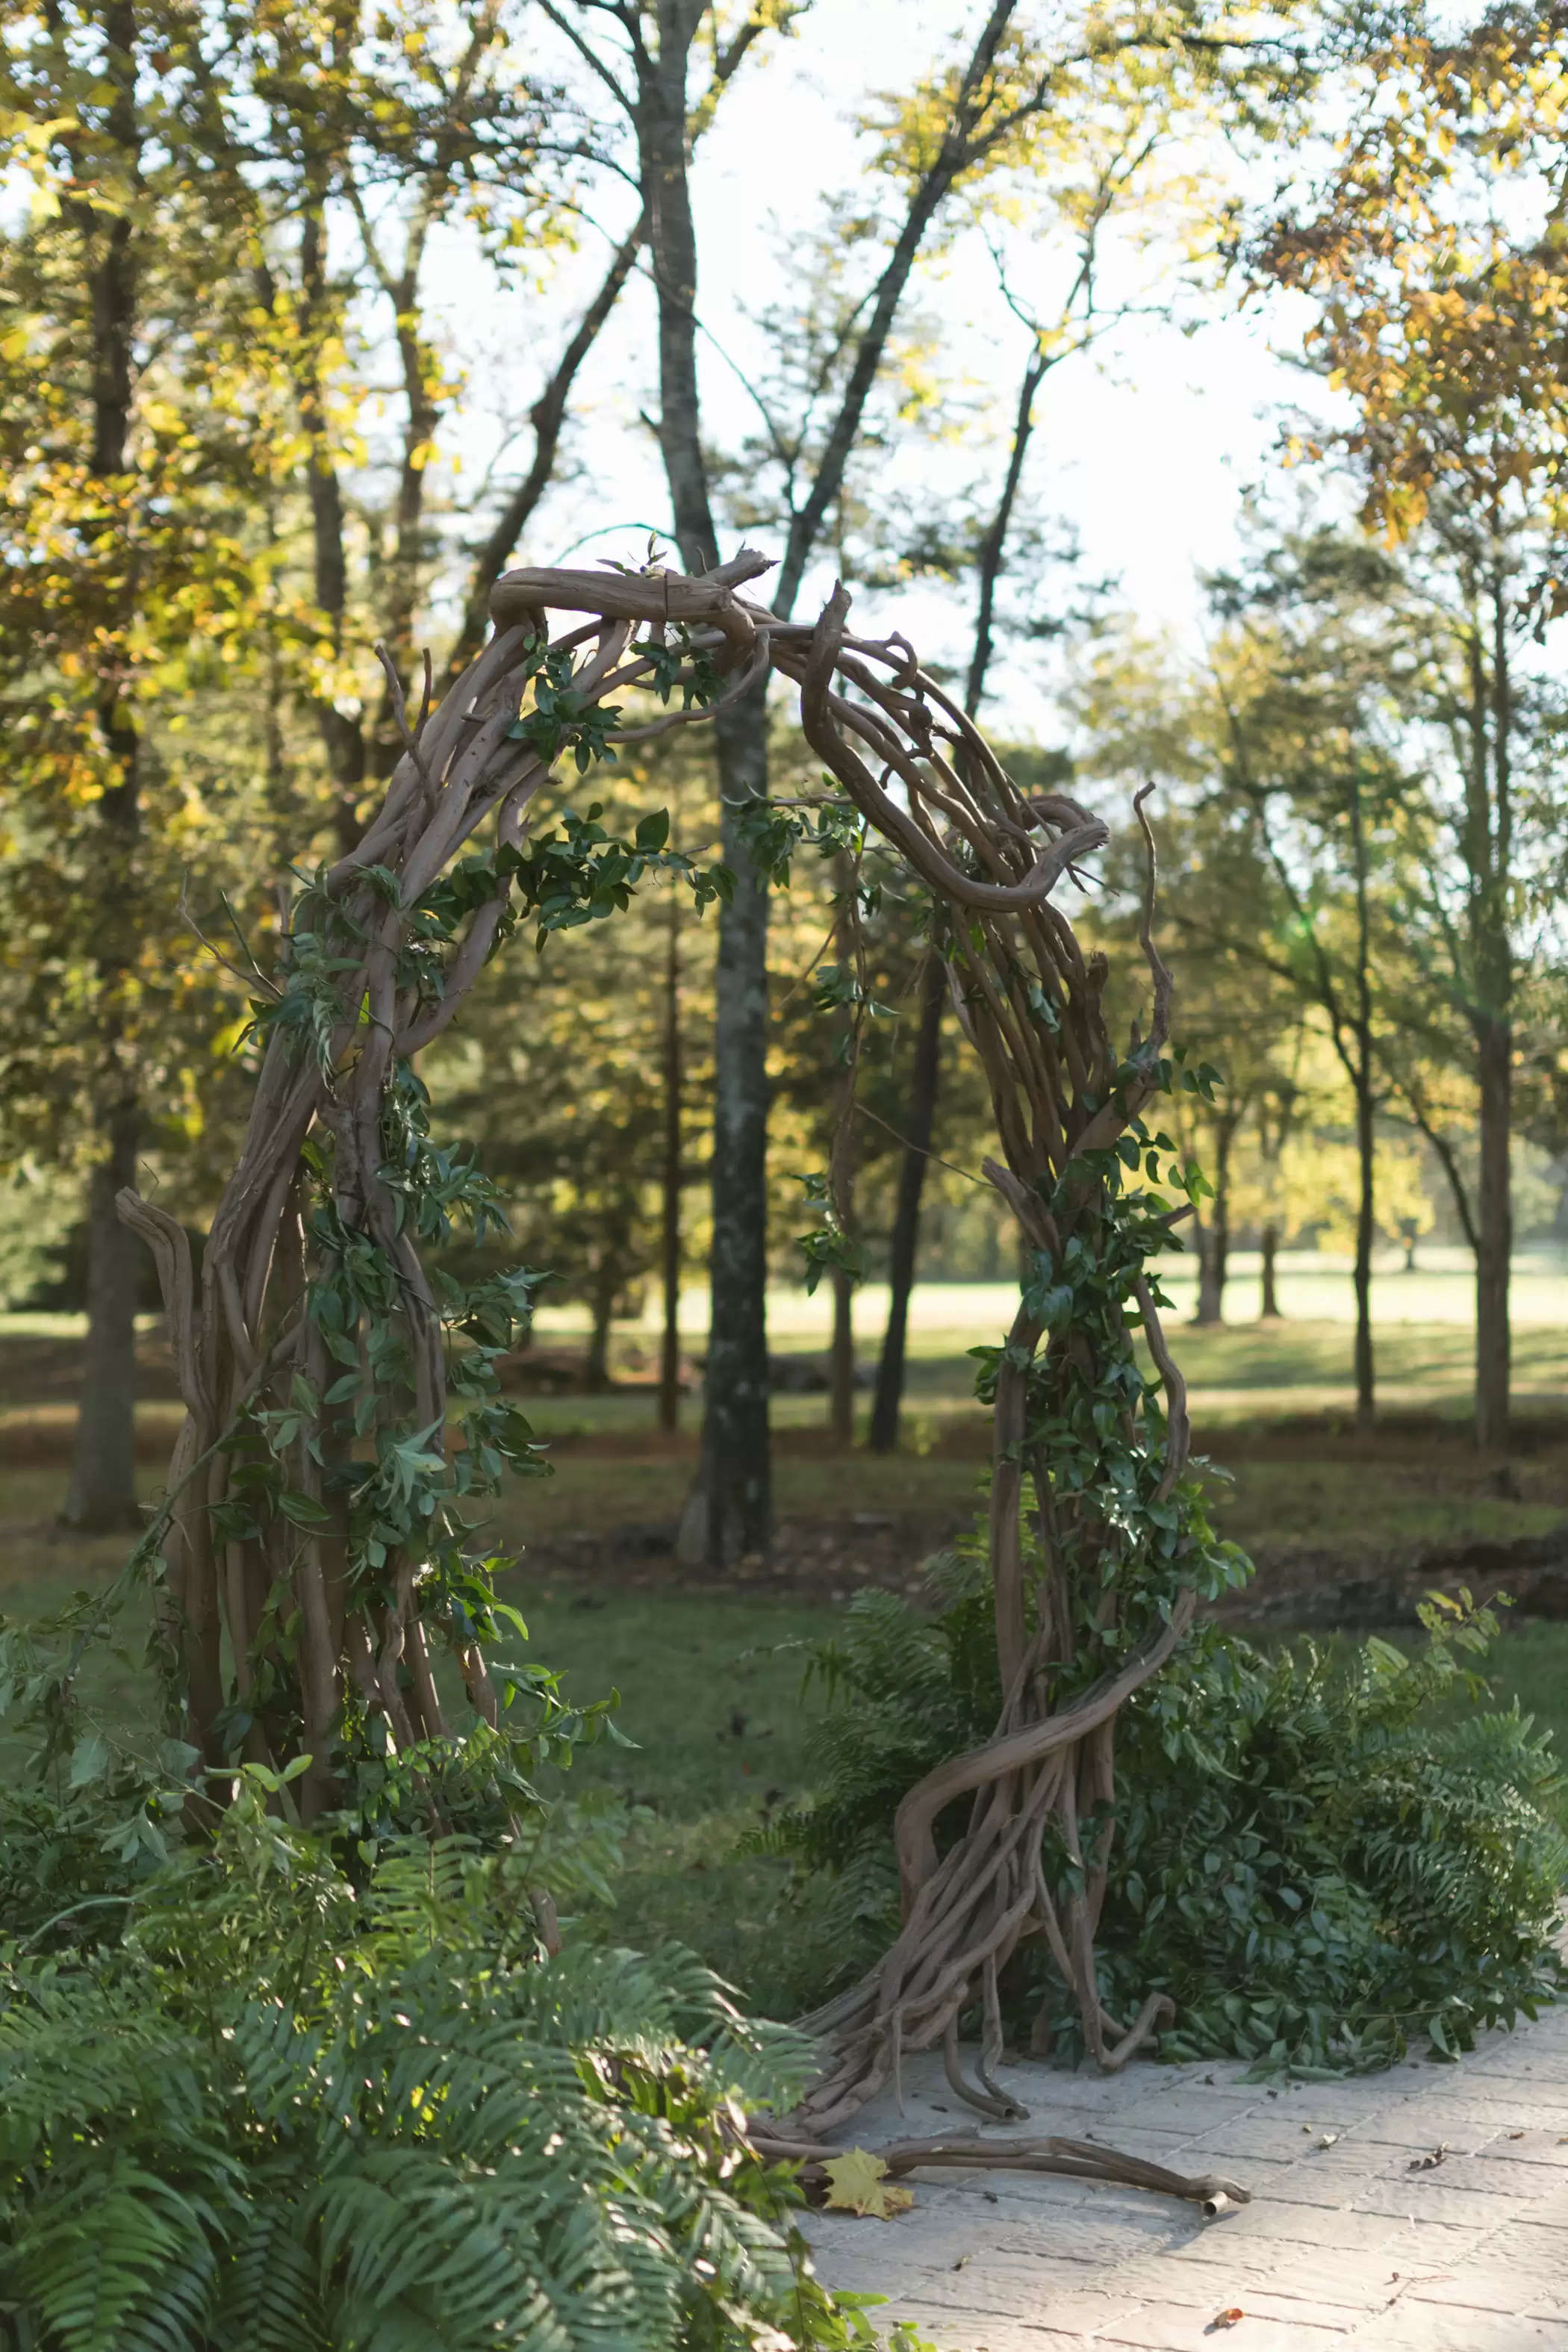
(858, 2183)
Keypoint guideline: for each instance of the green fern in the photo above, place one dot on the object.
(274, 2114)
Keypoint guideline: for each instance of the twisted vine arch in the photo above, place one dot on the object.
(316, 1334)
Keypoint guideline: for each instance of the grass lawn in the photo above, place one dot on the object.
(710, 1696)
(710, 1689)
(710, 1680)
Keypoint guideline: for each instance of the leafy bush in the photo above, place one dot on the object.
(1317, 1852)
(269, 2111)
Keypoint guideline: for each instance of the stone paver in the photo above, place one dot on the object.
(1351, 2241)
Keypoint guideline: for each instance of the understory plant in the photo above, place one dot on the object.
(264, 2108)
(1318, 1852)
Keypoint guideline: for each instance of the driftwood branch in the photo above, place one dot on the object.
(1068, 2159)
(1030, 1000)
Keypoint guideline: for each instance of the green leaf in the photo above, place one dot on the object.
(303, 1509)
(91, 1760)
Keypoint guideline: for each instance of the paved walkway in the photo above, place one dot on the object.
(1349, 2240)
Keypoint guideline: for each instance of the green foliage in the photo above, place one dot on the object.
(1324, 1851)
(827, 1245)
(1318, 1853)
(772, 836)
(272, 2111)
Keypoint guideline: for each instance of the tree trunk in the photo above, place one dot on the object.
(1365, 1222)
(1495, 1071)
(1213, 1239)
(102, 1490)
(842, 1165)
(1490, 866)
(732, 1512)
(341, 730)
(1269, 1308)
(1365, 1397)
(921, 1117)
(841, 1362)
(670, 1354)
(410, 547)
(602, 1303)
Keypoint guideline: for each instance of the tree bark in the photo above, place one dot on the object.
(1492, 844)
(1495, 1239)
(342, 731)
(924, 1082)
(1365, 1223)
(730, 1512)
(841, 1362)
(1268, 1307)
(103, 1489)
(670, 1354)
(602, 1306)
(1365, 1394)
(1213, 1239)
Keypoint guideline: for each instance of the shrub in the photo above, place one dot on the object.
(1317, 1852)
(272, 2110)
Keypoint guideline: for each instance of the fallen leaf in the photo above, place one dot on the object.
(858, 2183)
(1225, 2318)
(962, 2259)
(1513, 2134)
(991, 2196)
(1425, 2163)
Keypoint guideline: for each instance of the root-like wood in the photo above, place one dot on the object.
(1068, 2160)
(1081, 1620)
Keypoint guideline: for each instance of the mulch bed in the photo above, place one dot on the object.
(828, 1559)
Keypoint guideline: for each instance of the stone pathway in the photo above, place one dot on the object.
(1344, 2244)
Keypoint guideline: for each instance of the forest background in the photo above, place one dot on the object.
(1186, 381)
